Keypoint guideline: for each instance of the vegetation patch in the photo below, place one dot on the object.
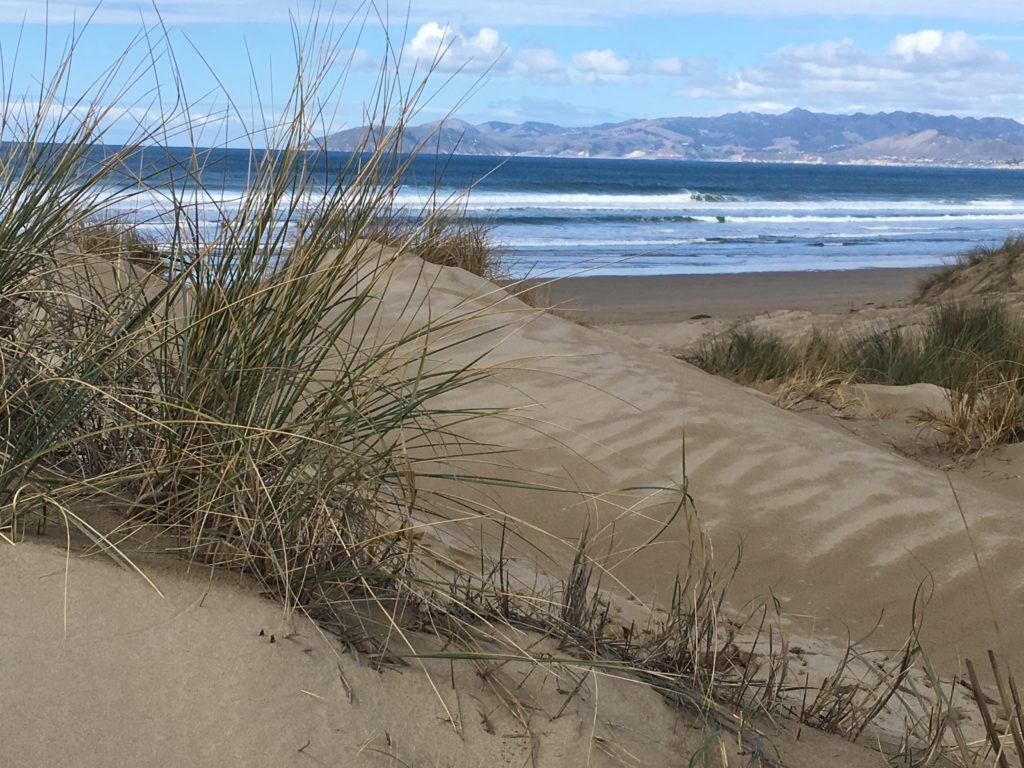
(442, 234)
(973, 349)
(113, 238)
(977, 271)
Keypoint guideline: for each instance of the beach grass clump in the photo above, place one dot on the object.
(459, 244)
(292, 408)
(982, 415)
(959, 345)
(974, 349)
(747, 355)
(976, 271)
(248, 397)
(967, 340)
(443, 235)
(885, 356)
(114, 238)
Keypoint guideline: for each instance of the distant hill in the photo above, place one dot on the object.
(795, 136)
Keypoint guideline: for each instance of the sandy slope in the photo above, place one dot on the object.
(842, 533)
(837, 530)
(193, 678)
(189, 680)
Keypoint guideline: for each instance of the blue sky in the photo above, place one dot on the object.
(550, 60)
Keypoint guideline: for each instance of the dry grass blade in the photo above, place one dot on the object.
(986, 715)
(1012, 711)
(981, 415)
(821, 385)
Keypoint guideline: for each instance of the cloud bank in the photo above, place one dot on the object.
(928, 69)
(524, 12)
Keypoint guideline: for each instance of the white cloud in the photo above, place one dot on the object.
(539, 64)
(929, 70)
(927, 41)
(951, 46)
(600, 63)
(456, 51)
(770, 107)
(450, 50)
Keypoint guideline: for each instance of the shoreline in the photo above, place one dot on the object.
(874, 163)
(641, 299)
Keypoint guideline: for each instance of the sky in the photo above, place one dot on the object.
(547, 60)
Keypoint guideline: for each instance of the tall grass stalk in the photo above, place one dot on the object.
(58, 345)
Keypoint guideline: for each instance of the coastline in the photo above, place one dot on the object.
(642, 299)
(874, 162)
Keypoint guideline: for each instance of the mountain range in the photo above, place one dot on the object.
(912, 138)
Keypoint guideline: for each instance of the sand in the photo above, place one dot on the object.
(212, 674)
(673, 311)
(840, 532)
(665, 298)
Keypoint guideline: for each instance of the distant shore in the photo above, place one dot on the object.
(672, 298)
(870, 162)
(824, 162)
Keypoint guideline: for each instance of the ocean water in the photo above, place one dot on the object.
(559, 216)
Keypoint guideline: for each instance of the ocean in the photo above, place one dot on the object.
(562, 216)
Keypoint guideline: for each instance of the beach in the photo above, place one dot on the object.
(389, 456)
(675, 298)
(600, 431)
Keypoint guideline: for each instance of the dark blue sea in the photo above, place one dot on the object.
(559, 216)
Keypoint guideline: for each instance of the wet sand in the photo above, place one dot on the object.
(674, 298)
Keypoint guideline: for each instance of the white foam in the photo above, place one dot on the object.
(686, 201)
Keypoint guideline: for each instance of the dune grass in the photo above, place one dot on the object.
(748, 355)
(973, 349)
(114, 238)
(442, 234)
(238, 396)
(1000, 262)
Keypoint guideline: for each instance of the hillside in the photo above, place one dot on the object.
(796, 136)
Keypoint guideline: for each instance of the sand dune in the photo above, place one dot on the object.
(194, 679)
(841, 533)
